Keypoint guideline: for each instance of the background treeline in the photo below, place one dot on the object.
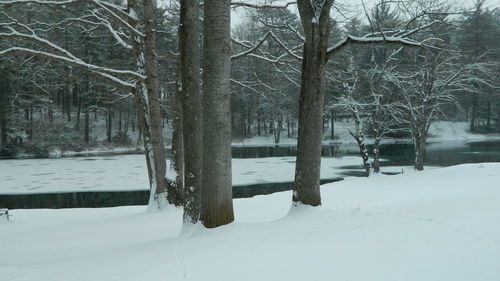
(45, 104)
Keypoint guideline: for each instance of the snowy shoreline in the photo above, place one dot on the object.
(441, 131)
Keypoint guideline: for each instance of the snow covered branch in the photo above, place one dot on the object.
(104, 73)
(399, 40)
(253, 48)
(116, 12)
(235, 4)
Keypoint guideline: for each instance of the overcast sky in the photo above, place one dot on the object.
(354, 7)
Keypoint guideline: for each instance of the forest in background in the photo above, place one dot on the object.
(45, 104)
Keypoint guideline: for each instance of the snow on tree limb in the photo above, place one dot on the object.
(117, 12)
(252, 48)
(105, 73)
(372, 40)
(235, 4)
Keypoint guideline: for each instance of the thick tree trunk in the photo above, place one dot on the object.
(419, 142)
(176, 185)
(312, 94)
(189, 47)
(217, 194)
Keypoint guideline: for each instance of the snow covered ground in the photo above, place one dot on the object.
(439, 131)
(434, 225)
(128, 172)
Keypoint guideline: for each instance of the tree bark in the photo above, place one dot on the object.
(332, 120)
(146, 96)
(176, 186)
(376, 155)
(78, 112)
(473, 113)
(312, 94)
(86, 136)
(189, 47)
(153, 92)
(109, 124)
(4, 102)
(217, 204)
(488, 114)
(419, 142)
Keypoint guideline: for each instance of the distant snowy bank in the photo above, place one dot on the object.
(438, 132)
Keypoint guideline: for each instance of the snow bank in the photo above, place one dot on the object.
(440, 224)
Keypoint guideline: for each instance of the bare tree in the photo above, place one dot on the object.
(435, 79)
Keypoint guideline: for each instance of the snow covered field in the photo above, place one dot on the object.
(435, 225)
(128, 172)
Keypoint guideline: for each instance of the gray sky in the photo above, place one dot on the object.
(354, 7)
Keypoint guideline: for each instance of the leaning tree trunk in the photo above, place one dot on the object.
(189, 47)
(147, 94)
(312, 95)
(217, 195)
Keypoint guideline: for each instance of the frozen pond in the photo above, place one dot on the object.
(122, 180)
(128, 173)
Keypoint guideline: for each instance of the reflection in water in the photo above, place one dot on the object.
(400, 154)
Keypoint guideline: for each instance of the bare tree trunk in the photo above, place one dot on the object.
(376, 155)
(109, 125)
(176, 186)
(68, 102)
(189, 47)
(146, 96)
(332, 120)
(153, 92)
(78, 112)
(217, 195)
(419, 142)
(312, 94)
(288, 131)
(277, 129)
(488, 114)
(473, 113)
(119, 122)
(364, 155)
(86, 127)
